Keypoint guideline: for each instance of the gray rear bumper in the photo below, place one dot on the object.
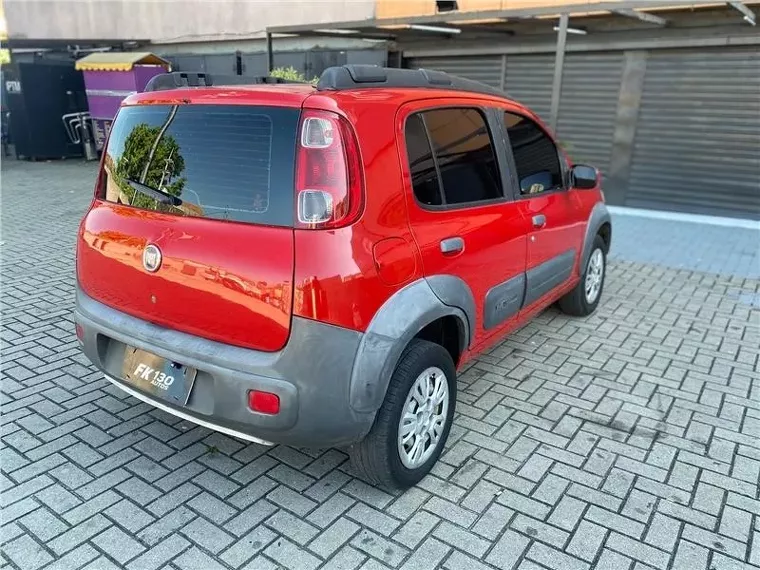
(311, 375)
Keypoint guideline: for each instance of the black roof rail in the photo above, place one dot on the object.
(180, 79)
(362, 76)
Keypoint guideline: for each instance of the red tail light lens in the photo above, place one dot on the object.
(329, 188)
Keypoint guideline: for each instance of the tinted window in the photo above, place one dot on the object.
(421, 164)
(465, 155)
(536, 157)
(215, 161)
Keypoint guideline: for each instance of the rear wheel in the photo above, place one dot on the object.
(412, 425)
(583, 300)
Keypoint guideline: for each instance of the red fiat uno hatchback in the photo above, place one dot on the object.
(311, 265)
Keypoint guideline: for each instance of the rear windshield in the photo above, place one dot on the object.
(227, 162)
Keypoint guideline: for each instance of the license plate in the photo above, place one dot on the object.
(158, 376)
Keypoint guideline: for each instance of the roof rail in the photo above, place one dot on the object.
(363, 76)
(180, 79)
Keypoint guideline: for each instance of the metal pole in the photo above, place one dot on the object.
(559, 62)
(503, 78)
(270, 54)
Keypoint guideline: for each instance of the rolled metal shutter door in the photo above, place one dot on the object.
(486, 69)
(588, 106)
(529, 80)
(697, 144)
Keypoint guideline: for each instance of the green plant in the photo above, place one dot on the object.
(292, 74)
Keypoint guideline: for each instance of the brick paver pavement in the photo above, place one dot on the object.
(627, 440)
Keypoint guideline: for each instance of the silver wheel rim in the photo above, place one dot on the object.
(594, 275)
(423, 418)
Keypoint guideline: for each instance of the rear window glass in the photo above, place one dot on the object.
(213, 161)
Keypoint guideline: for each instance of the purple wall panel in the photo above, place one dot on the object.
(143, 73)
(103, 105)
(116, 80)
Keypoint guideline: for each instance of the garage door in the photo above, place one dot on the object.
(486, 69)
(697, 145)
(529, 80)
(588, 106)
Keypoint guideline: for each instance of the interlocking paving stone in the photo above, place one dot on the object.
(587, 541)
(627, 440)
(118, 545)
(248, 546)
(161, 553)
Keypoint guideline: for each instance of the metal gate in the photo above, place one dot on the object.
(588, 106)
(697, 144)
(487, 69)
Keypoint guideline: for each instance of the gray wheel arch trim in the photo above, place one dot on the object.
(394, 325)
(599, 216)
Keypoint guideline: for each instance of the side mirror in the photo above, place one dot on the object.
(583, 176)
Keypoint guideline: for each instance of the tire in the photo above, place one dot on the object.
(577, 302)
(378, 458)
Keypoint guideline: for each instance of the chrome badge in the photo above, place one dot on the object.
(151, 258)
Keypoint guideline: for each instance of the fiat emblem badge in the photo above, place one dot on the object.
(151, 258)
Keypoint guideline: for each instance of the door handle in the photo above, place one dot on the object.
(539, 221)
(452, 245)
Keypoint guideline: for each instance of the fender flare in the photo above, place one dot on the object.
(394, 325)
(599, 216)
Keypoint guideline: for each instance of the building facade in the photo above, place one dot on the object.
(215, 36)
(669, 112)
(664, 97)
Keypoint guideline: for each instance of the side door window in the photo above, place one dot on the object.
(451, 158)
(536, 157)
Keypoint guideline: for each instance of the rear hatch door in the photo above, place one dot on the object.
(193, 225)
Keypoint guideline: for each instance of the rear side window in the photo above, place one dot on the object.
(536, 157)
(213, 161)
(421, 163)
(451, 157)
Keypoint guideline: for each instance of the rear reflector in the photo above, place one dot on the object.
(264, 402)
(80, 332)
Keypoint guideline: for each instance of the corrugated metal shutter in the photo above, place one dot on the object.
(529, 80)
(220, 64)
(588, 106)
(254, 64)
(697, 145)
(188, 63)
(486, 69)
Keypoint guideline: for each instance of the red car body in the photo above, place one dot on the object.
(243, 285)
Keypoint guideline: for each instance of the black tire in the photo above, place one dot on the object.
(376, 459)
(575, 303)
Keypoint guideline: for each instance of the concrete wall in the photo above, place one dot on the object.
(169, 21)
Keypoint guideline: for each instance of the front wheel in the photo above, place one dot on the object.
(412, 425)
(582, 300)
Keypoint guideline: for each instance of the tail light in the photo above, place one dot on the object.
(329, 188)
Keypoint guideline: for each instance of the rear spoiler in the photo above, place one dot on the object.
(179, 79)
